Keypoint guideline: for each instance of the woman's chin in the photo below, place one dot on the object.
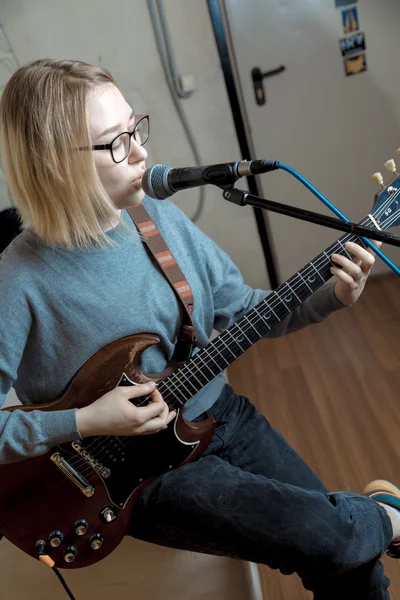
(131, 200)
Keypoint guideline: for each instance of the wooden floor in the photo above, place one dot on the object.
(333, 391)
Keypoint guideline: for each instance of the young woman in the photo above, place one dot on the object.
(79, 277)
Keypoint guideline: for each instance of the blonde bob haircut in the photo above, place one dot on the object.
(43, 123)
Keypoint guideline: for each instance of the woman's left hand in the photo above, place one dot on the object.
(351, 278)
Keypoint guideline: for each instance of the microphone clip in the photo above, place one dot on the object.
(225, 175)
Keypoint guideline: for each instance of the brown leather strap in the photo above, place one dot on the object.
(164, 257)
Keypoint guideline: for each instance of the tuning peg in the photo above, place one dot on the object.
(398, 151)
(378, 178)
(390, 165)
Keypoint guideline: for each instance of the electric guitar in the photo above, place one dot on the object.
(75, 502)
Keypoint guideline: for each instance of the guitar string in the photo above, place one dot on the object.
(106, 446)
(339, 243)
(129, 438)
(93, 446)
(133, 439)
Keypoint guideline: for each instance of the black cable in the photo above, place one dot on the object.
(48, 562)
(61, 578)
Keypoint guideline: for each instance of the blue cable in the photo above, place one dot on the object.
(337, 212)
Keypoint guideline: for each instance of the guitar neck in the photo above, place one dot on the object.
(193, 375)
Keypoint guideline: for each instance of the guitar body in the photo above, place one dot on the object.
(93, 486)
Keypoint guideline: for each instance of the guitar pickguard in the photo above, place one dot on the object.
(142, 458)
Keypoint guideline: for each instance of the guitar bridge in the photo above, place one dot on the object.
(73, 475)
(92, 462)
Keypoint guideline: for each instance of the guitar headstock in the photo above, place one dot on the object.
(386, 211)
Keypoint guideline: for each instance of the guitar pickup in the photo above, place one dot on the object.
(94, 463)
(76, 478)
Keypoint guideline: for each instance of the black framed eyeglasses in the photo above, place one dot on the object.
(120, 146)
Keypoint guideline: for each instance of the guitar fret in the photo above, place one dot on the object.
(186, 381)
(191, 373)
(201, 358)
(222, 356)
(202, 376)
(227, 332)
(178, 385)
(226, 346)
(261, 317)
(328, 257)
(310, 288)
(175, 390)
(200, 368)
(345, 250)
(179, 392)
(283, 303)
(288, 299)
(264, 319)
(242, 332)
(266, 316)
(317, 271)
(251, 325)
(292, 290)
(274, 313)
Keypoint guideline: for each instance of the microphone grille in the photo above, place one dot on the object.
(154, 182)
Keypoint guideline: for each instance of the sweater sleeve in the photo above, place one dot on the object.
(23, 434)
(233, 298)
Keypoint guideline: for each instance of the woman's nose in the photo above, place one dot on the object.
(136, 152)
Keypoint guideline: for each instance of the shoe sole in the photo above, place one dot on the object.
(381, 486)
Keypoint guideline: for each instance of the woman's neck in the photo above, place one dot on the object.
(111, 224)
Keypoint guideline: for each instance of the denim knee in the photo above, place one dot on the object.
(355, 531)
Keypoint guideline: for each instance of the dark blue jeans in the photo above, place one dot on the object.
(251, 497)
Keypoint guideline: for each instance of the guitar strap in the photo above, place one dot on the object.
(170, 268)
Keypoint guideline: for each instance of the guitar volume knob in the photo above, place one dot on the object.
(55, 538)
(96, 541)
(70, 554)
(81, 526)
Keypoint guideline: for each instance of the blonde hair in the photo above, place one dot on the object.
(43, 122)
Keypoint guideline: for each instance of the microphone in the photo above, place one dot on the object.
(161, 181)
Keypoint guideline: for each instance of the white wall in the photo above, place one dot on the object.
(119, 36)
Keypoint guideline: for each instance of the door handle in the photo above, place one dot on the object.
(257, 77)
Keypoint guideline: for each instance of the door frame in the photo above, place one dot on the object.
(221, 32)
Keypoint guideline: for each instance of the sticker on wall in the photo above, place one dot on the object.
(353, 43)
(355, 64)
(339, 3)
(350, 20)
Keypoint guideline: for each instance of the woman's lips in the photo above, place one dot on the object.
(137, 181)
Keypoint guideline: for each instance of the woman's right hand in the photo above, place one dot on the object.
(113, 414)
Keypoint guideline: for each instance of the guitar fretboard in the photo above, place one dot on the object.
(192, 376)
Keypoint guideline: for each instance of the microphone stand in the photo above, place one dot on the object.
(241, 198)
